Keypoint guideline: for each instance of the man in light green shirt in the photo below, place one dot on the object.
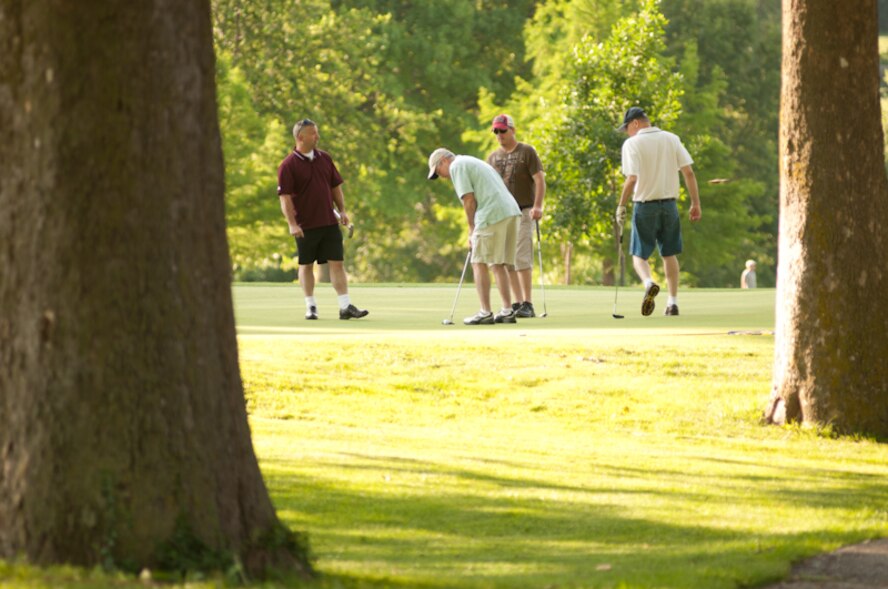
(493, 217)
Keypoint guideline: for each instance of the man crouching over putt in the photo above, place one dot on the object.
(493, 217)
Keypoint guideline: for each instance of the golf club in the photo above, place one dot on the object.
(622, 265)
(540, 256)
(350, 227)
(449, 320)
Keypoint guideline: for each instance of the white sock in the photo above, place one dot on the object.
(672, 301)
(344, 301)
(309, 303)
(648, 282)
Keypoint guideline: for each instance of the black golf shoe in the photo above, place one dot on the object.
(505, 316)
(671, 310)
(525, 311)
(352, 312)
(312, 313)
(647, 304)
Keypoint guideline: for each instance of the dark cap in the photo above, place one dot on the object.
(633, 113)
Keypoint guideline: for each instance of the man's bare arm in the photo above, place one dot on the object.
(339, 201)
(289, 211)
(539, 193)
(628, 190)
(470, 205)
(693, 191)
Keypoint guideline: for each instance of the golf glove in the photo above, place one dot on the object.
(620, 216)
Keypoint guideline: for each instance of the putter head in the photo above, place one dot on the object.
(544, 315)
(619, 316)
(447, 322)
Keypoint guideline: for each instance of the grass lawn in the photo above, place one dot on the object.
(571, 451)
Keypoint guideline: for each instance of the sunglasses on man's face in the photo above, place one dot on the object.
(500, 131)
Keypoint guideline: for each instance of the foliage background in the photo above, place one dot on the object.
(388, 81)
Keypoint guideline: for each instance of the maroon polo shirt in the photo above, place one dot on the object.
(310, 184)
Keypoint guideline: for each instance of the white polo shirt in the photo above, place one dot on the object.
(654, 156)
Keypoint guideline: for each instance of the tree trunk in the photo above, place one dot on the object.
(122, 414)
(567, 255)
(831, 323)
(608, 272)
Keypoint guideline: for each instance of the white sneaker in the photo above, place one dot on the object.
(480, 318)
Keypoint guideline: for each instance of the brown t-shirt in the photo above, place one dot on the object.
(517, 169)
(309, 184)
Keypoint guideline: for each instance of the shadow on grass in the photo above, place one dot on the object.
(477, 529)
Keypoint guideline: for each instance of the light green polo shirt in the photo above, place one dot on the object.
(495, 202)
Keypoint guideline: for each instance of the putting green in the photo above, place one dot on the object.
(279, 309)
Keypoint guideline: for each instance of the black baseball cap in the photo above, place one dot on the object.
(635, 112)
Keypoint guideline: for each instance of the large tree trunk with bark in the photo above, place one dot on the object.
(122, 414)
(832, 320)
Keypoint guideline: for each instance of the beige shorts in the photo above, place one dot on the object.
(524, 249)
(495, 244)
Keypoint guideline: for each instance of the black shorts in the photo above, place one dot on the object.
(320, 245)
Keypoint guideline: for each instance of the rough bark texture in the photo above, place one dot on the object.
(121, 405)
(832, 323)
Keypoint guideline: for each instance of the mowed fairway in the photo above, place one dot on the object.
(572, 451)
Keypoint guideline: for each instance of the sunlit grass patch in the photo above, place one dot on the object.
(573, 451)
(563, 457)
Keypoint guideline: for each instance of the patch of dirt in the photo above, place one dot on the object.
(861, 566)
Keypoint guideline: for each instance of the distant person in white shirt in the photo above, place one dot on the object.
(747, 279)
(652, 159)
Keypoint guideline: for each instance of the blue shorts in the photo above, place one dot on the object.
(655, 223)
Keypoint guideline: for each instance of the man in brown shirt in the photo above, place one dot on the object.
(521, 170)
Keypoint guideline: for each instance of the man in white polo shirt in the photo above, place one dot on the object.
(493, 217)
(652, 159)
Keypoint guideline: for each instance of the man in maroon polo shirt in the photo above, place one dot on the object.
(309, 185)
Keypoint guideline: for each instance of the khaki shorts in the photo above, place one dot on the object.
(495, 244)
(524, 249)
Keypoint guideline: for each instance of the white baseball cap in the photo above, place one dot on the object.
(435, 159)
